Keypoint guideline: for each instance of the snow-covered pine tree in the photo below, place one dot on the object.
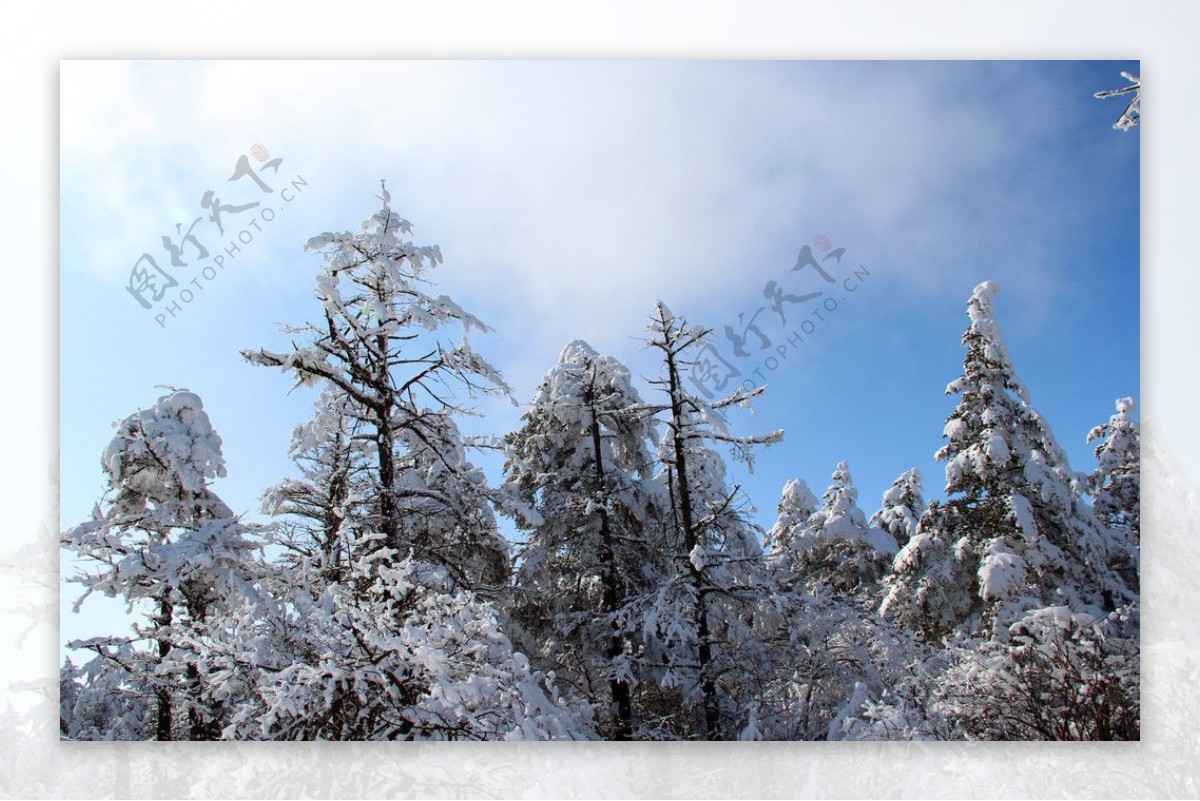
(104, 700)
(702, 618)
(396, 641)
(1015, 533)
(1116, 482)
(926, 589)
(582, 462)
(379, 347)
(821, 636)
(796, 505)
(318, 508)
(901, 508)
(1115, 486)
(445, 506)
(161, 538)
(837, 551)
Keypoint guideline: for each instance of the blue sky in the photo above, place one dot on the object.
(568, 196)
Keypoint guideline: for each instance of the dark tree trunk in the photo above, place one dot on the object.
(622, 705)
(389, 523)
(163, 715)
(708, 687)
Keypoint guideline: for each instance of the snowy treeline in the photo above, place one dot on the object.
(641, 602)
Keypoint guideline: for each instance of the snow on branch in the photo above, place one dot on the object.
(1133, 112)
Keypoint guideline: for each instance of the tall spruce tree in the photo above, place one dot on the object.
(162, 539)
(818, 635)
(1116, 482)
(1015, 533)
(582, 462)
(380, 349)
(1115, 486)
(704, 614)
(382, 628)
(900, 510)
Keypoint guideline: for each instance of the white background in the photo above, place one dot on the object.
(33, 39)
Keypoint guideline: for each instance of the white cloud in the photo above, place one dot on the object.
(580, 175)
(567, 196)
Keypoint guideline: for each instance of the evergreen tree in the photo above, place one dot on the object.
(1015, 533)
(1116, 482)
(377, 349)
(704, 614)
(837, 551)
(931, 588)
(162, 538)
(318, 509)
(104, 700)
(821, 638)
(582, 462)
(796, 506)
(379, 628)
(901, 508)
(1115, 487)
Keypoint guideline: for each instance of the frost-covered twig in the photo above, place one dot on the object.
(1133, 112)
